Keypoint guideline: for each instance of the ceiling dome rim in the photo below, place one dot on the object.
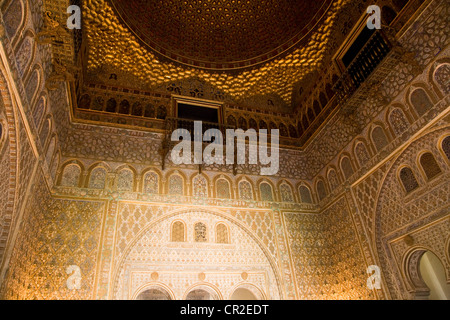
(235, 65)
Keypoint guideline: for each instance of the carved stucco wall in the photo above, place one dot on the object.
(180, 265)
(426, 41)
(255, 235)
(423, 215)
(27, 140)
(328, 259)
(19, 163)
(7, 172)
(306, 252)
(55, 234)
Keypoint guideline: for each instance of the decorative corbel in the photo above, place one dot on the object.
(51, 31)
(61, 73)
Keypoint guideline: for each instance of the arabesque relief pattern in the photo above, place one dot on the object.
(182, 263)
(327, 257)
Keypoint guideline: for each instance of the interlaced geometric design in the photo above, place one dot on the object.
(71, 176)
(305, 194)
(266, 192)
(223, 189)
(245, 190)
(151, 183)
(125, 180)
(286, 193)
(97, 179)
(200, 187)
(200, 232)
(178, 232)
(222, 233)
(408, 179)
(176, 185)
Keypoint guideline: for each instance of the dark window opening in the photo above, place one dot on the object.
(364, 55)
(198, 113)
(357, 46)
(124, 107)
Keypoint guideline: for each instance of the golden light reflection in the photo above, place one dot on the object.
(115, 46)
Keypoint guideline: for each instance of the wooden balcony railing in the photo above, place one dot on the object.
(171, 124)
(365, 62)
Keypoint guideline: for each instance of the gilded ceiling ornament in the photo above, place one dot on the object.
(114, 47)
(220, 35)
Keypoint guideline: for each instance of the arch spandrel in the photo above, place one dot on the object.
(425, 208)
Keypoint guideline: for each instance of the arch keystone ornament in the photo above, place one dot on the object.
(155, 276)
(409, 240)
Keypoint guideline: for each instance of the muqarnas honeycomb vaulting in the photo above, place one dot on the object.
(92, 207)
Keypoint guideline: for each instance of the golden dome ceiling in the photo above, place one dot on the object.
(115, 48)
(220, 34)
